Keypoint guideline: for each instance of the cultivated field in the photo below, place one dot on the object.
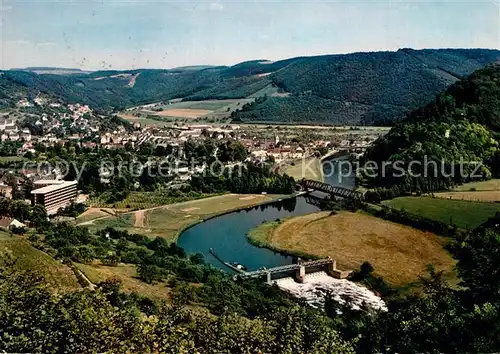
(484, 191)
(210, 105)
(398, 253)
(182, 113)
(146, 200)
(478, 196)
(490, 185)
(464, 214)
(127, 274)
(186, 110)
(57, 275)
(143, 120)
(92, 214)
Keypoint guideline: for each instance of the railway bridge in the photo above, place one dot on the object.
(333, 190)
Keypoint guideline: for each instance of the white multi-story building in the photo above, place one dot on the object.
(54, 194)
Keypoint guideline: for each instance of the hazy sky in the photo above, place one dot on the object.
(121, 34)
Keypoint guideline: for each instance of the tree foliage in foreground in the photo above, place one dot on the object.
(34, 320)
(249, 317)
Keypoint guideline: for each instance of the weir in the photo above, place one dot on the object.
(329, 265)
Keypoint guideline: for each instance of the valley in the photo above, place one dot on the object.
(249, 177)
(163, 196)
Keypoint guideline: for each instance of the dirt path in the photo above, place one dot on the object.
(139, 218)
(140, 215)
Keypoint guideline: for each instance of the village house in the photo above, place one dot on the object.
(14, 136)
(5, 190)
(7, 223)
(24, 103)
(26, 134)
(7, 124)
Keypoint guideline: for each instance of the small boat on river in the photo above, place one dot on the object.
(237, 267)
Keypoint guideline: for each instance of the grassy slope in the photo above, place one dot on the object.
(27, 257)
(478, 196)
(464, 214)
(170, 220)
(484, 191)
(399, 253)
(309, 168)
(490, 185)
(127, 274)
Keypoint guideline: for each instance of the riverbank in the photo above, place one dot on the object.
(335, 154)
(399, 254)
(308, 168)
(169, 221)
(261, 236)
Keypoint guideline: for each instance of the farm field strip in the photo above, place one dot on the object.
(490, 185)
(478, 196)
(464, 214)
(181, 112)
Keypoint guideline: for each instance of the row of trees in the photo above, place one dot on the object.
(108, 321)
(123, 173)
(244, 179)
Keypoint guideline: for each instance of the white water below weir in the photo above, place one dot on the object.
(317, 286)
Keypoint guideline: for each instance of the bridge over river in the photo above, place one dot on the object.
(300, 268)
(333, 190)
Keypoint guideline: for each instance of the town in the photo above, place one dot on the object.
(41, 124)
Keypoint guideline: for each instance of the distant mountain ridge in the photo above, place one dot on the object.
(359, 88)
(52, 70)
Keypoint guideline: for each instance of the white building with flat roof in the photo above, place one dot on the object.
(54, 195)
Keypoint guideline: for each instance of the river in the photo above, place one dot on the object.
(227, 234)
(332, 169)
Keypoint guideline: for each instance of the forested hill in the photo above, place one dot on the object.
(364, 88)
(462, 123)
(359, 88)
